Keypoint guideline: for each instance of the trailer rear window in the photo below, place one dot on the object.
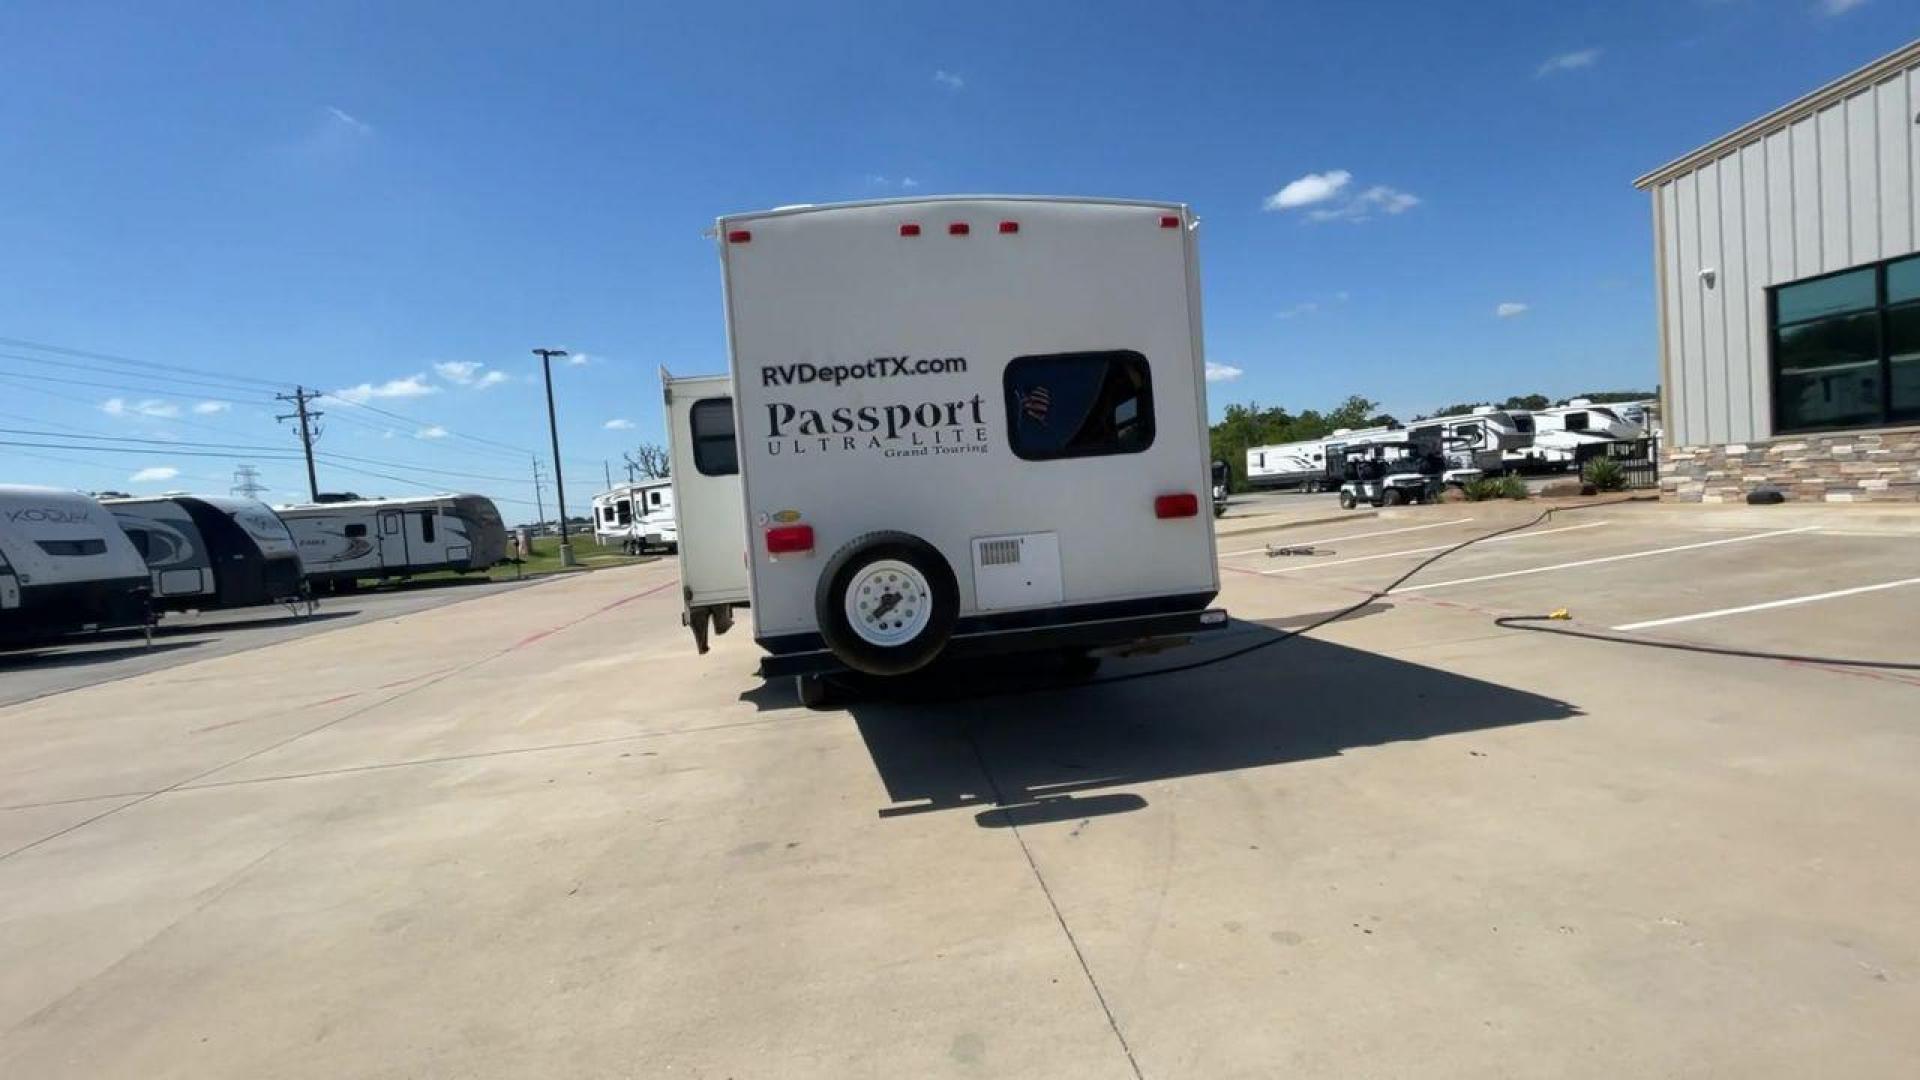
(1068, 405)
(714, 451)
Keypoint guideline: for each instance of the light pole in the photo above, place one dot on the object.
(553, 428)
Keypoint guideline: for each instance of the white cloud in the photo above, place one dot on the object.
(431, 431)
(1586, 58)
(153, 474)
(1222, 372)
(1304, 307)
(949, 80)
(579, 358)
(208, 408)
(618, 424)
(1839, 7)
(458, 371)
(349, 122)
(154, 407)
(1378, 199)
(909, 182)
(491, 378)
(412, 386)
(1510, 309)
(1309, 189)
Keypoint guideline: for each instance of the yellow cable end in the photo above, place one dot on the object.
(1562, 614)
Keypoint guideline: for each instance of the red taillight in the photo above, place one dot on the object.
(909, 229)
(1170, 221)
(1009, 226)
(789, 539)
(958, 228)
(739, 236)
(1184, 505)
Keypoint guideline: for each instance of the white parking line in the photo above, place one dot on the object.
(1429, 550)
(1608, 559)
(1349, 536)
(1791, 601)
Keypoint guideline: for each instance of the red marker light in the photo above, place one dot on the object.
(739, 236)
(1009, 226)
(1171, 221)
(1184, 505)
(958, 228)
(909, 229)
(789, 539)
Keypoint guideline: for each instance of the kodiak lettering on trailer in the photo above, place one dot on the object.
(927, 427)
(50, 515)
(880, 367)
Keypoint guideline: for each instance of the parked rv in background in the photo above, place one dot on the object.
(1474, 444)
(65, 566)
(1567, 435)
(638, 517)
(209, 552)
(342, 542)
(708, 501)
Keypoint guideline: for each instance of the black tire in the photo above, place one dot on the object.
(1393, 497)
(829, 604)
(1079, 665)
(1347, 501)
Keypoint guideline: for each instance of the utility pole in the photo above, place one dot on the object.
(631, 469)
(246, 482)
(553, 428)
(308, 432)
(539, 504)
(608, 469)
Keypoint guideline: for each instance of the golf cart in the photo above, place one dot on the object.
(1390, 473)
(1222, 480)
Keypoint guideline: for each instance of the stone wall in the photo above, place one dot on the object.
(1866, 466)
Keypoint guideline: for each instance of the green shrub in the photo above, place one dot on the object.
(1512, 487)
(1605, 474)
(1481, 488)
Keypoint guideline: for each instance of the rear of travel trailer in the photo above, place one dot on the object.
(637, 517)
(342, 542)
(211, 552)
(65, 566)
(707, 500)
(1301, 464)
(967, 426)
(1477, 442)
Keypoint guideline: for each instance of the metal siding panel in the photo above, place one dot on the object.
(1779, 208)
(1806, 201)
(1674, 346)
(1896, 174)
(1713, 319)
(1692, 344)
(1755, 203)
(1863, 179)
(1831, 154)
(1732, 290)
(1913, 160)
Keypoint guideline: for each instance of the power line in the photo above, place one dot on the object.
(234, 386)
(126, 388)
(134, 450)
(62, 350)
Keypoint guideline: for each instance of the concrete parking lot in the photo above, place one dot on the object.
(533, 834)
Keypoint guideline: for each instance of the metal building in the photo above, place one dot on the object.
(1789, 320)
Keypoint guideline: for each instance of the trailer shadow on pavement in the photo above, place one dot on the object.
(1023, 748)
(56, 655)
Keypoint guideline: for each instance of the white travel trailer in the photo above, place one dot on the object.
(210, 552)
(966, 426)
(1570, 434)
(1300, 464)
(638, 517)
(342, 542)
(706, 495)
(65, 566)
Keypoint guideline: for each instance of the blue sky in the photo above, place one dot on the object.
(397, 201)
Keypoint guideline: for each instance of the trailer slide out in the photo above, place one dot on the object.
(968, 426)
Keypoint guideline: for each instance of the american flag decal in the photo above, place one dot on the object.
(1035, 402)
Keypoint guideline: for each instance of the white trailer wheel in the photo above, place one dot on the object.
(888, 603)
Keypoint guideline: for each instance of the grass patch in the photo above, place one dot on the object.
(546, 560)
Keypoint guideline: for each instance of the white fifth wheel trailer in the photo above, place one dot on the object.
(65, 566)
(638, 517)
(968, 426)
(1566, 436)
(707, 500)
(342, 542)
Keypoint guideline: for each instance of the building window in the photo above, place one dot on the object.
(714, 451)
(1069, 405)
(1846, 349)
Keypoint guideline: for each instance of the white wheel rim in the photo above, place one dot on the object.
(886, 622)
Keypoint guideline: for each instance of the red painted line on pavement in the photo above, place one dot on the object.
(552, 630)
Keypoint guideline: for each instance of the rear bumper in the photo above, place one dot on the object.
(1068, 633)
